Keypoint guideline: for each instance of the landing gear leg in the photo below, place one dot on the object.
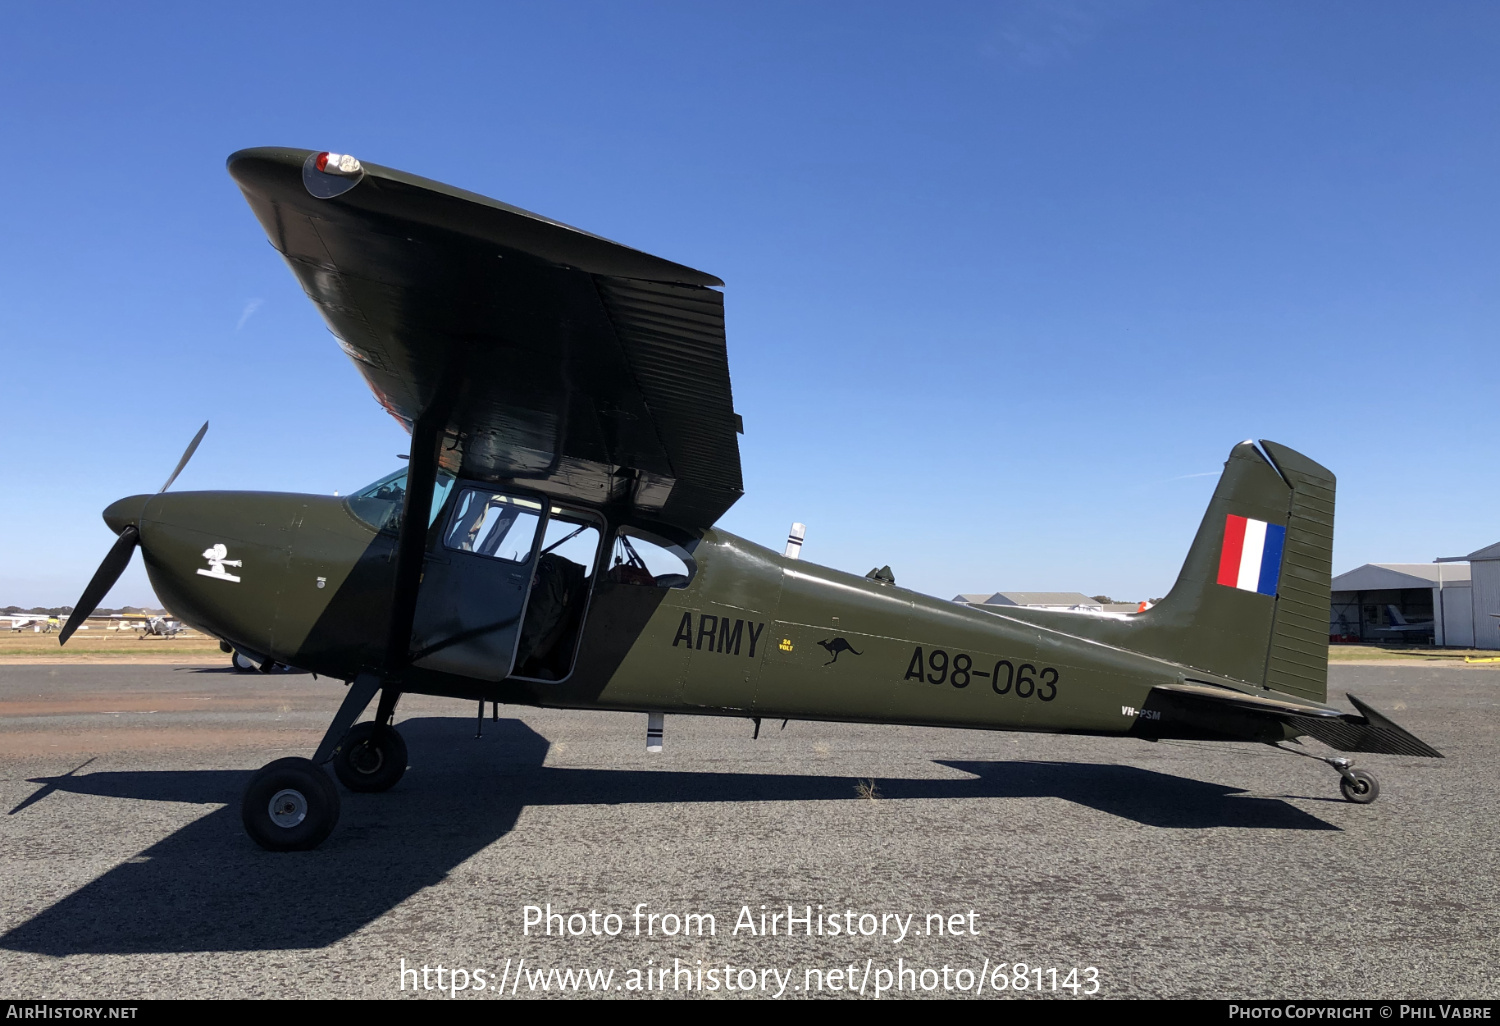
(290, 804)
(385, 712)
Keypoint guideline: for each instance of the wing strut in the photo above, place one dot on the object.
(421, 479)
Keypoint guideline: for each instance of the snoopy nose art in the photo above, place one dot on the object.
(216, 555)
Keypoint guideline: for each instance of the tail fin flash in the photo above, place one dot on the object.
(1251, 601)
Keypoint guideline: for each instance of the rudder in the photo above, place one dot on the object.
(1298, 660)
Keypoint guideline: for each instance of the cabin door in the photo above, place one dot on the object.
(475, 583)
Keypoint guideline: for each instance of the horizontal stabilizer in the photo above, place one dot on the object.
(1198, 711)
(1368, 732)
(1253, 703)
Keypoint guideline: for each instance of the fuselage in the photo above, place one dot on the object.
(302, 580)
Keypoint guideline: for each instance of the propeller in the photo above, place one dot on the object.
(186, 455)
(119, 555)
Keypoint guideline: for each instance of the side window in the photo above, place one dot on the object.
(638, 560)
(490, 524)
(572, 538)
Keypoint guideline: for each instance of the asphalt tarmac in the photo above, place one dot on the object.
(1172, 870)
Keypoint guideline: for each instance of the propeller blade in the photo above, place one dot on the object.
(192, 448)
(105, 577)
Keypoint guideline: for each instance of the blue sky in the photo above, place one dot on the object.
(1005, 281)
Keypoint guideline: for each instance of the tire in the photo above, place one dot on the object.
(371, 758)
(290, 805)
(241, 664)
(1362, 789)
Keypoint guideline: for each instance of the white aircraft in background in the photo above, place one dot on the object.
(40, 623)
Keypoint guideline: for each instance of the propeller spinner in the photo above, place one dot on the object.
(119, 554)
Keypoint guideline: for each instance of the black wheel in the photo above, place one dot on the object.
(1360, 787)
(241, 664)
(290, 805)
(371, 758)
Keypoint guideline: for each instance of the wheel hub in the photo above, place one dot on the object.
(367, 758)
(287, 807)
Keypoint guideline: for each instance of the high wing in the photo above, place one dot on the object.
(554, 358)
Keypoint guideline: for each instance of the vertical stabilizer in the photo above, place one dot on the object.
(1251, 600)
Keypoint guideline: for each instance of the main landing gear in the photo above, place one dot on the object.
(1359, 786)
(292, 805)
(372, 757)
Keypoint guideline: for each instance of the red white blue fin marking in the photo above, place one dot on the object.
(1251, 557)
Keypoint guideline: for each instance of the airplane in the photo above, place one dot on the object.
(550, 541)
(39, 623)
(161, 627)
(1403, 630)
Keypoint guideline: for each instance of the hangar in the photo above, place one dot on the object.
(1484, 611)
(1454, 601)
(1375, 601)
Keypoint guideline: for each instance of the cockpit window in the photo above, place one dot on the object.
(379, 505)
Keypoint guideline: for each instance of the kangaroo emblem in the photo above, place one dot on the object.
(836, 646)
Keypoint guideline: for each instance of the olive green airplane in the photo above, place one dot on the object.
(551, 541)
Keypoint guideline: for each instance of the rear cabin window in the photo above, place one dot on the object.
(640, 561)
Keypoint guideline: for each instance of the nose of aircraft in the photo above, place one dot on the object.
(125, 512)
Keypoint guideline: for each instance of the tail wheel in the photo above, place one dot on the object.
(372, 757)
(290, 805)
(1360, 787)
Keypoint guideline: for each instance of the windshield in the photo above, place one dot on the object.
(379, 505)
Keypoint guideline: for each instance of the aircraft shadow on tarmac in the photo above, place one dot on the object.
(207, 887)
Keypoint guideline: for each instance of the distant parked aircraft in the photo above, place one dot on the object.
(40, 623)
(1404, 629)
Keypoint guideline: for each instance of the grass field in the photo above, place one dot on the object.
(1383, 654)
(96, 645)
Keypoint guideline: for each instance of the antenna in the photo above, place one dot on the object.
(794, 541)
